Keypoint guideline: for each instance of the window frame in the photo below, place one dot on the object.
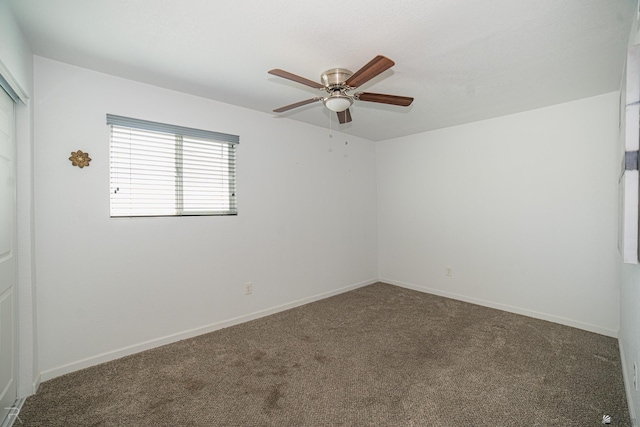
(213, 171)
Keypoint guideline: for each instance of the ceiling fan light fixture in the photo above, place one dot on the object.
(337, 102)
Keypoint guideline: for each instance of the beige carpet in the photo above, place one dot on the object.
(377, 356)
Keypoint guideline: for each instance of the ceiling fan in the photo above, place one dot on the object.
(337, 82)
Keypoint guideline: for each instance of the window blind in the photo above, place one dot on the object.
(166, 170)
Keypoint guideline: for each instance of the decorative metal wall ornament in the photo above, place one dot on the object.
(80, 159)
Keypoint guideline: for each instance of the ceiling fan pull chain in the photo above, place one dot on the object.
(346, 140)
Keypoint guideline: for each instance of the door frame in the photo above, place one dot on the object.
(27, 369)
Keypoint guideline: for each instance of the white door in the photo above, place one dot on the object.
(7, 257)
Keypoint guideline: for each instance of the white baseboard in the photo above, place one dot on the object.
(628, 381)
(36, 383)
(147, 345)
(508, 308)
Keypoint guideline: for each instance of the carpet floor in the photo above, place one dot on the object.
(380, 355)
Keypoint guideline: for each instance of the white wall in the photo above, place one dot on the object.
(16, 66)
(107, 287)
(523, 208)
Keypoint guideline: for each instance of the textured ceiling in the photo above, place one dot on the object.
(462, 61)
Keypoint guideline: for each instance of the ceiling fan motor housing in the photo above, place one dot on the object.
(334, 83)
(335, 77)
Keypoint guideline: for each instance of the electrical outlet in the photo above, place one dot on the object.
(448, 271)
(635, 376)
(248, 288)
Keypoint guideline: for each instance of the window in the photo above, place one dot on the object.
(164, 170)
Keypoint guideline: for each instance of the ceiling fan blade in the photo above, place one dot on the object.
(344, 116)
(287, 75)
(297, 104)
(376, 66)
(403, 101)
